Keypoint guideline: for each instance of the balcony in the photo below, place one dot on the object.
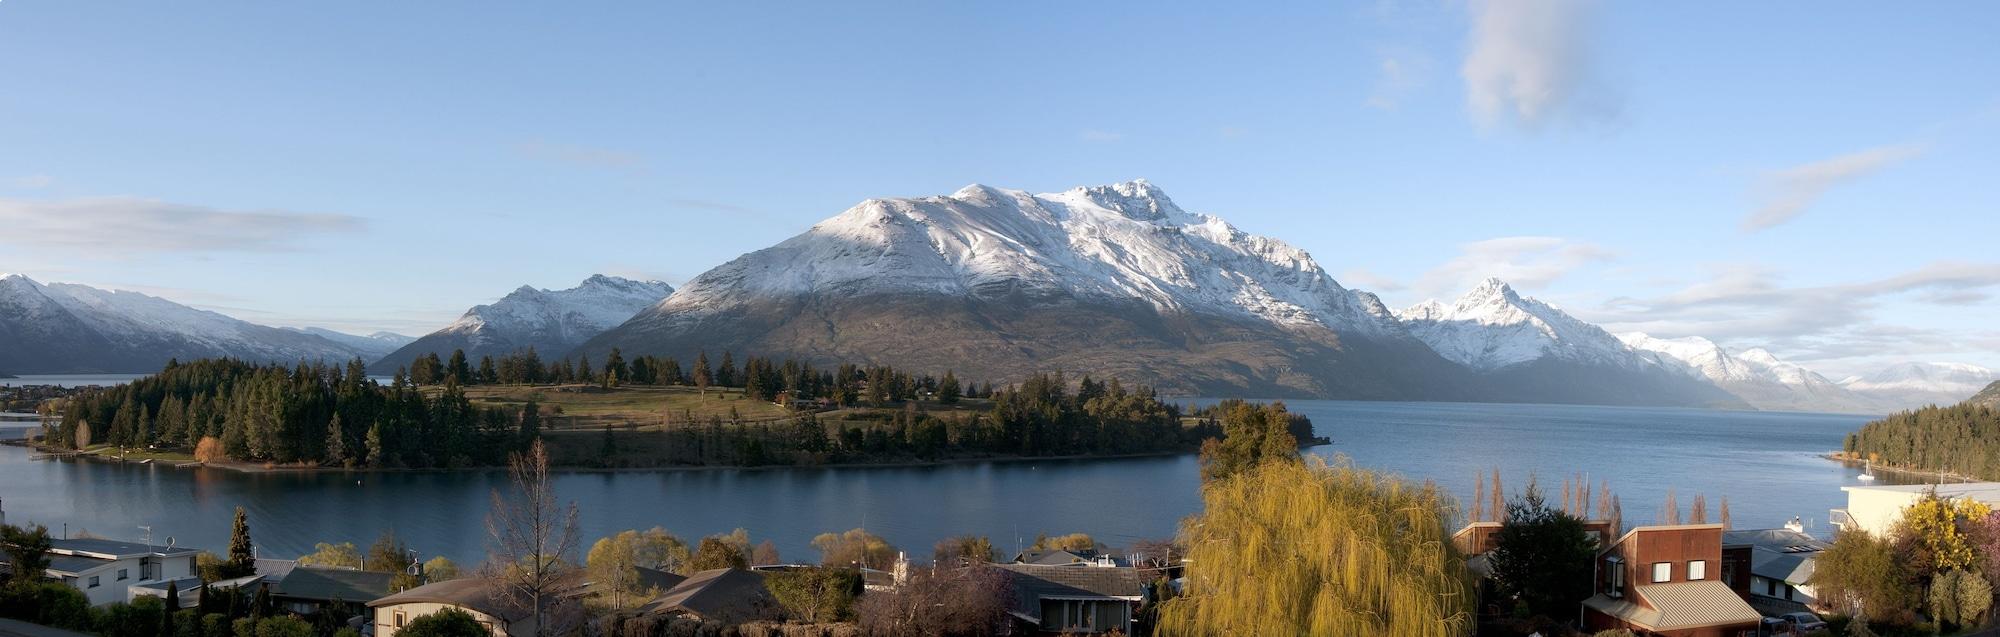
(1840, 519)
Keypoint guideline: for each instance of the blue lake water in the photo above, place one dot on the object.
(1766, 463)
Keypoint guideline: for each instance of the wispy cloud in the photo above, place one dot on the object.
(1094, 135)
(1750, 304)
(31, 182)
(1370, 281)
(1398, 74)
(1524, 262)
(1534, 61)
(1789, 192)
(584, 156)
(120, 226)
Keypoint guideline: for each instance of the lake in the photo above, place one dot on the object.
(1766, 463)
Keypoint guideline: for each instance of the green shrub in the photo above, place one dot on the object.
(283, 627)
(450, 622)
(215, 625)
(48, 604)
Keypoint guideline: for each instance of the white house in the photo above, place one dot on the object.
(1877, 508)
(106, 570)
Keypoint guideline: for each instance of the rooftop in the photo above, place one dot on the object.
(725, 594)
(329, 584)
(1982, 491)
(113, 549)
(474, 593)
(1035, 582)
(1679, 605)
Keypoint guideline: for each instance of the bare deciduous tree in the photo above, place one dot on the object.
(964, 602)
(534, 539)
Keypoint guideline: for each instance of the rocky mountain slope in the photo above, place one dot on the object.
(1113, 280)
(371, 347)
(550, 321)
(63, 328)
(1754, 375)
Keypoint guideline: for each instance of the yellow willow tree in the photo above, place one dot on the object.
(1308, 548)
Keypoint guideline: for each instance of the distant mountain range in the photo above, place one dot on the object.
(551, 321)
(994, 284)
(64, 328)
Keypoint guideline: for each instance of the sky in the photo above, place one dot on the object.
(1821, 181)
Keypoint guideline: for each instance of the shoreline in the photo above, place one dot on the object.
(1843, 458)
(260, 468)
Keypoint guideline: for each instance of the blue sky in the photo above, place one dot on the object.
(1817, 180)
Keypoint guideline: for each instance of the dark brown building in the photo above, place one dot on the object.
(1666, 580)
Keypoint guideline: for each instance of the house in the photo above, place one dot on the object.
(1665, 580)
(1070, 599)
(307, 590)
(479, 597)
(1876, 508)
(726, 595)
(106, 570)
(187, 588)
(1066, 557)
(649, 579)
(1772, 568)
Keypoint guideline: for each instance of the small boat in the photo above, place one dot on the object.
(1867, 472)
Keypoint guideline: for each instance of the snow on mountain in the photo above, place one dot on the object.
(1911, 385)
(371, 347)
(1493, 327)
(65, 327)
(1948, 378)
(1119, 243)
(1755, 375)
(551, 321)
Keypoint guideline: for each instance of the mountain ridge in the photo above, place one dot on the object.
(550, 321)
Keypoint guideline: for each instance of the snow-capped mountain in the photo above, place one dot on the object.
(1124, 242)
(550, 321)
(1533, 347)
(996, 283)
(1755, 375)
(1917, 384)
(1493, 327)
(69, 328)
(371, 347)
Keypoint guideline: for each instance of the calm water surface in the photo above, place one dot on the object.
(1766, 463)
(71, 380)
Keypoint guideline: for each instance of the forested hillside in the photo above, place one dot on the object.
(1962, 439)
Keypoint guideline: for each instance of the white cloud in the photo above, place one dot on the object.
(1524, 262)
(1748, 305)
(1094, 135)
(1789, 192)
(121, 226)
(1533, 61)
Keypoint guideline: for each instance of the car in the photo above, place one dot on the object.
(1803, 622)
(1774, 626)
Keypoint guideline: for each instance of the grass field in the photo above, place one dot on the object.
(593, 407)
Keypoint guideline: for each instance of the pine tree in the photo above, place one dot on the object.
(377, 455)
(725, 374)
(531, 422)
(584, 373)
(458, 370)
(242, 555)
(948, 390)
(615, 371)
(487, 374)
(336, 442)
(702, 376)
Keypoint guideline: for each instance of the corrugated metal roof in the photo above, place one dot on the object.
(1696, 604)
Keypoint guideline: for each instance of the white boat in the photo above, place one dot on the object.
(1867, 472)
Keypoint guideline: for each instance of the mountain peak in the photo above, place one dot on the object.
(1493, 287)
(1137, 199)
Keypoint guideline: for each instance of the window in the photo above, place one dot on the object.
(124, 574)
(194, 568)
(1615, 568)
(1697, 570)
(93, 581)
(399, 619)
(1663, 572)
